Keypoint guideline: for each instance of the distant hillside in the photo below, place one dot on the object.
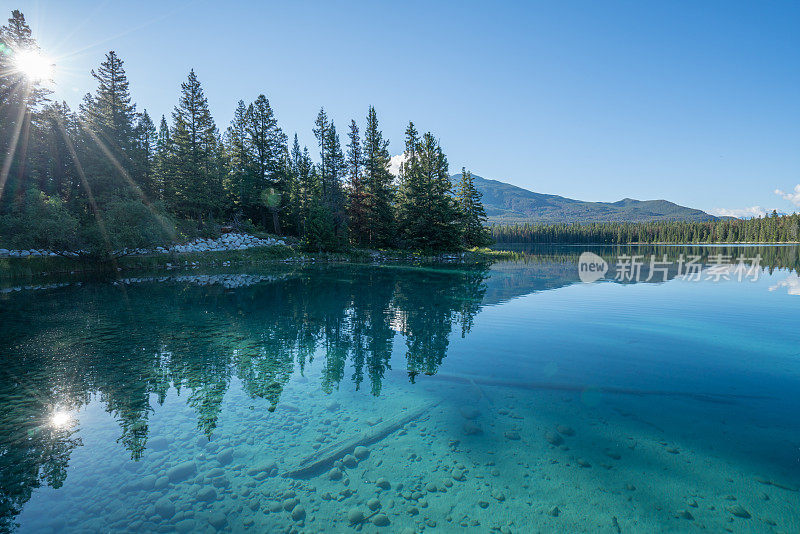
(506, 203)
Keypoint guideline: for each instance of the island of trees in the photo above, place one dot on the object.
(107, 178)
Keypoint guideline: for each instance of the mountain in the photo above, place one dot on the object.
(506, 203)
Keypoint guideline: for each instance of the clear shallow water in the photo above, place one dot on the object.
(511, 397)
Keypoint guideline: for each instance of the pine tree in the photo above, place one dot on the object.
(108, 119)
(357, 197)
(196, 177)
(146, 138)
(412, 193)
(473, 216)
(20, 98)
(240, 167)
(162, 160)
(269, 154)
(378, 187)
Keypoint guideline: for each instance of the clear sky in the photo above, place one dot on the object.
(697, 102)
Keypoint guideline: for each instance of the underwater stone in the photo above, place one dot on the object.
(298, 513)
(380, 520)
(512, 435)
(565, 430)
(289, 504)
(553, 438)
(383, 483)
(483, 504)
(471, 429)
(554, 511)
(185, 526)
(332, 406)
(181, 471)
(458, 474)
(583, 463)
(355, 516)
(499, 495)
(335, 474)
(685, 514)
(207, 495)
(738, 511)
(225, 457)
(158, 443)
(431, 487)
(361, 452)
(217, 520)
(275, 507)
(350, 461)
(165, 508)
(469, 412)
(373, 504)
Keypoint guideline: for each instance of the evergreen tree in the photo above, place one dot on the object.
(146, 139)
(20, 98)
(473, 216)
(240, 167)
(357, 198)
(269, 153)
(378, 188)
(196, 188)
(162, 160)
(108, 118)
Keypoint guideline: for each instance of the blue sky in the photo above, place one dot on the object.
(694, 102)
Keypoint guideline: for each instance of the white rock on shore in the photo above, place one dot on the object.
(230, 241)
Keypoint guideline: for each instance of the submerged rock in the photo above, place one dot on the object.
(583, 463)
(380, 520)
(512, 435)
(373, 504)
(554, 511)
(207, 495)
(298, 513)
(565, 430)
(355, 516)
(383, 483)
(181, 471)
(165, 508)
(472, 429)
(553, 438)
(469, 412)
(350, 461)
(335, 474)
(685, 514)
(738, 511)
(361, 452)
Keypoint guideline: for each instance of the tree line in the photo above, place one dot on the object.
(771, 229)
(106, 177)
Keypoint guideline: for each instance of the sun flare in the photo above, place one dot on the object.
(34, 65)
(60, 418)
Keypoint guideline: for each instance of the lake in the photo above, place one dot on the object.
(320, 398)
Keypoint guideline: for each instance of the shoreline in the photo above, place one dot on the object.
(12, 268)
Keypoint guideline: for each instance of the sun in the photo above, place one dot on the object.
(34, 65)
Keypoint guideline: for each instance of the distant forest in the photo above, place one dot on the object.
(108, 177)
(772, 229)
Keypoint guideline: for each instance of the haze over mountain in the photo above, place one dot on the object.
(506, 203)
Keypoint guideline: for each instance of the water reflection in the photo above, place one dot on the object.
(128, 343)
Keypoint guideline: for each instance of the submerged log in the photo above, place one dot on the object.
(716, 398)
(324, 458)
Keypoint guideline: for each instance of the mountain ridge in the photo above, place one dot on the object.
(508, 203)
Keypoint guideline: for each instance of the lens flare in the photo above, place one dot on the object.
(60, 418)
(34, 65)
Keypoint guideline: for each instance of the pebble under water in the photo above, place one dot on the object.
(338, 398)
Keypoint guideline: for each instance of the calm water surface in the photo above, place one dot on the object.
(336, 398)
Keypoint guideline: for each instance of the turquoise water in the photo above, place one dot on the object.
(334, 398)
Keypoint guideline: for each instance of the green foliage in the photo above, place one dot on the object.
(773, 229)
(105, 179)
(41, 222)
(473, 215)
(428, 217)
(125, 225)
